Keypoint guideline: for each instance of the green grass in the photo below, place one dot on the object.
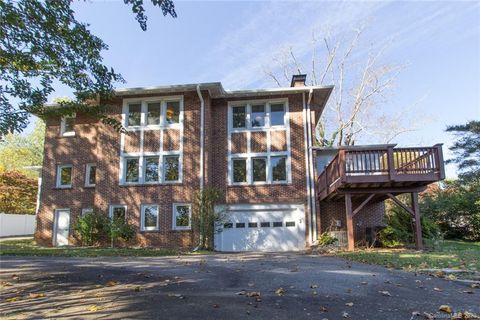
(449, 254)
(30, 248)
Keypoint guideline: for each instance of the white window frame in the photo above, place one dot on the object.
(63, 125)
(86, 210)
(88, 166)
(142, 218)
(174, 216)
(126, 111)
(144, 168)
(113, 206)
(144, 110)
(124, 168)
(268, 129)
(59, 178)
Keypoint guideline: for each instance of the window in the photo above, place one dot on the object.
(181, 216)
(67, 126)
(149, 217)
(131, 170)
(228, 225)
(277, 224)
(134, 114)
(153, 113)
(239, 170)
(264, 224)
(90, 175)
(64, 176)
(277, 115)
(239, 117)
(252, 225)
(151, 169)
(290, 224)
(172, 113)
(258, 116)
(240, 225)
(279, 168)
(118, 212)
(87, 211)
(259, 169)
(170, 167)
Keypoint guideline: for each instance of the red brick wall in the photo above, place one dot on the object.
(370, 216)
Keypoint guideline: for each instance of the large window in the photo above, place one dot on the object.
(170, 168)
(239, 117)
(151, 169)
(258, 116)
(279, 168)
(149, 217)
(90, 175)
(132, 170)
(277, 115)
(181, 216)
(134, 114)
(239, 170)
(155, 112)
(259, 166)
(118, 211)
(64, 176)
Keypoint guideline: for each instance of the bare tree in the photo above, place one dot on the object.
(362, 84)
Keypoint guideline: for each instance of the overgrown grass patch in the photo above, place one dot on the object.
(30, 248)
(448, 254)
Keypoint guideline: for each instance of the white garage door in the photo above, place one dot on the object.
(262, 228)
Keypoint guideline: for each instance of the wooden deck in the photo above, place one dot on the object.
(381, 170)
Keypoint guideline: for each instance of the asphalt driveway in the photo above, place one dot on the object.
(222, 286)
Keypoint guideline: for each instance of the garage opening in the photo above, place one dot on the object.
(265, 227)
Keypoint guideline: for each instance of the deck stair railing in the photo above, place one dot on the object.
(383, 164)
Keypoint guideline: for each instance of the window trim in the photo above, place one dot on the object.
(88, 166)
(63, 124)
(142, 217)
(124, 173)
(248, 110)
(174, 217)
(58, 182)
(144, 112)
(112, 206)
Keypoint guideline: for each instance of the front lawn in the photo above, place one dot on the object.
(450, 254)
(30, 248)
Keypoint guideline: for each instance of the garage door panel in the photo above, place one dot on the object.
(246, 230)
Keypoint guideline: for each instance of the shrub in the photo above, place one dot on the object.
(204, 218)
(119, 228)
(92, 227)
(326, 239)
(18, 193)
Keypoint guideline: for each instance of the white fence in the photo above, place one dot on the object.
(16, 224)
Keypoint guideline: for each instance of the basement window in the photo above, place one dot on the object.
(265, 224)
(278, 224)
(240, 225)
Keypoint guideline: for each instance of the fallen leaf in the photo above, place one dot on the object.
(176, 295)
(314, 293)
(364, 282)
(13, 299)
(437, 289)
(385, 293)
(138, 289)
(241, 293)
(323, 309)
(253, 294)
(445, 308)
(280, 292)
(313, 286)
(345, 314)
(93, 308)
(295, 269)
(111, 283)
(36, 295)
(350, 304)
(6, 284)
(216, 306)
(468, 291)
(475, 285)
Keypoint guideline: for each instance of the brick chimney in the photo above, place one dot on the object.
(298, 80)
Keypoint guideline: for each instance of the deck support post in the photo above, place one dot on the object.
(418, 224)
(349, 216)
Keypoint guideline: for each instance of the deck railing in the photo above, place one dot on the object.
(383, 164)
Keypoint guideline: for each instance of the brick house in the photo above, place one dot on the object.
(254, 145)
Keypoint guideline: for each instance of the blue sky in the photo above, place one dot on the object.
(438, 43)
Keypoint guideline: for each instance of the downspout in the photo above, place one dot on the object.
(202, 138)
(310, 167)
(307, 167)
